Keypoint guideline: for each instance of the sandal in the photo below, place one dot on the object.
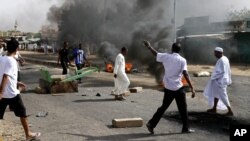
(34, 136)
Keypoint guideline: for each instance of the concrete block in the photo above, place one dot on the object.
(127, 122)
(135, 89)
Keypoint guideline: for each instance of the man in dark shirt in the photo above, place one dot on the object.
(63, 57)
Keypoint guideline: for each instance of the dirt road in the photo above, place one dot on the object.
(84, 116)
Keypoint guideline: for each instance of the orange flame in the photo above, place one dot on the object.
(128, 67)
(110, 67)
(183, 80)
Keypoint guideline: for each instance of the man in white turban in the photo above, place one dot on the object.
(121, 80)
(216, 89)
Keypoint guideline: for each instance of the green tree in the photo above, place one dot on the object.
(239, 14)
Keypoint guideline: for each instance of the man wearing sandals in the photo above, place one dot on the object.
(216, 89)
(9, 94)
(120, 77)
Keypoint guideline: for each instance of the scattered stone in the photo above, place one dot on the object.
(202, 74)
(98, 94)
(42, 114)
(135, 70)
(127, 122)
(135, 89)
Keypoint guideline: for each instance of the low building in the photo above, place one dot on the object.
(200, 37)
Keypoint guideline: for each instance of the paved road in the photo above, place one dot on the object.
(84, 116)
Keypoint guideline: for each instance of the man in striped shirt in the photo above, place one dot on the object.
(80, 58)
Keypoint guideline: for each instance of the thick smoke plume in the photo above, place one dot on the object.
(107, 25)
(111, 24)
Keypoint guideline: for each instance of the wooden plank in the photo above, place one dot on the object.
(45, 75)
(84, 69)
(58, 77)
(82, 74)
(127, 122)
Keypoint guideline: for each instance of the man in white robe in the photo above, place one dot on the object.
(216, 89)
(120, 77)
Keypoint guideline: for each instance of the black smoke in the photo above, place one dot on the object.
(111, 24)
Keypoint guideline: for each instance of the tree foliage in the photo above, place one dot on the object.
(239, 14)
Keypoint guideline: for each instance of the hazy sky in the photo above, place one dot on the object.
(216, 9)
(31, 14)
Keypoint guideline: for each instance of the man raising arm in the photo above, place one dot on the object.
(175, 67)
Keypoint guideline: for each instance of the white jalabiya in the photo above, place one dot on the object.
(1, 51)
(217, 85)
(121, 82)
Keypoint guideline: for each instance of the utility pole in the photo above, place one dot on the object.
(15, 28)
(174, 21)
(104, 20)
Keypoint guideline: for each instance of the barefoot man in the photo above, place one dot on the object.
(216, 89)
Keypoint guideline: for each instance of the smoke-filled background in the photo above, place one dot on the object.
(31, 14)
(107, 25)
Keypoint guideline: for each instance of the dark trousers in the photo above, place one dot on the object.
(169, 96)
(79, 66)
(18, 76)
(64, 67)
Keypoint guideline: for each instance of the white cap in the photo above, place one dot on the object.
(219, 49)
